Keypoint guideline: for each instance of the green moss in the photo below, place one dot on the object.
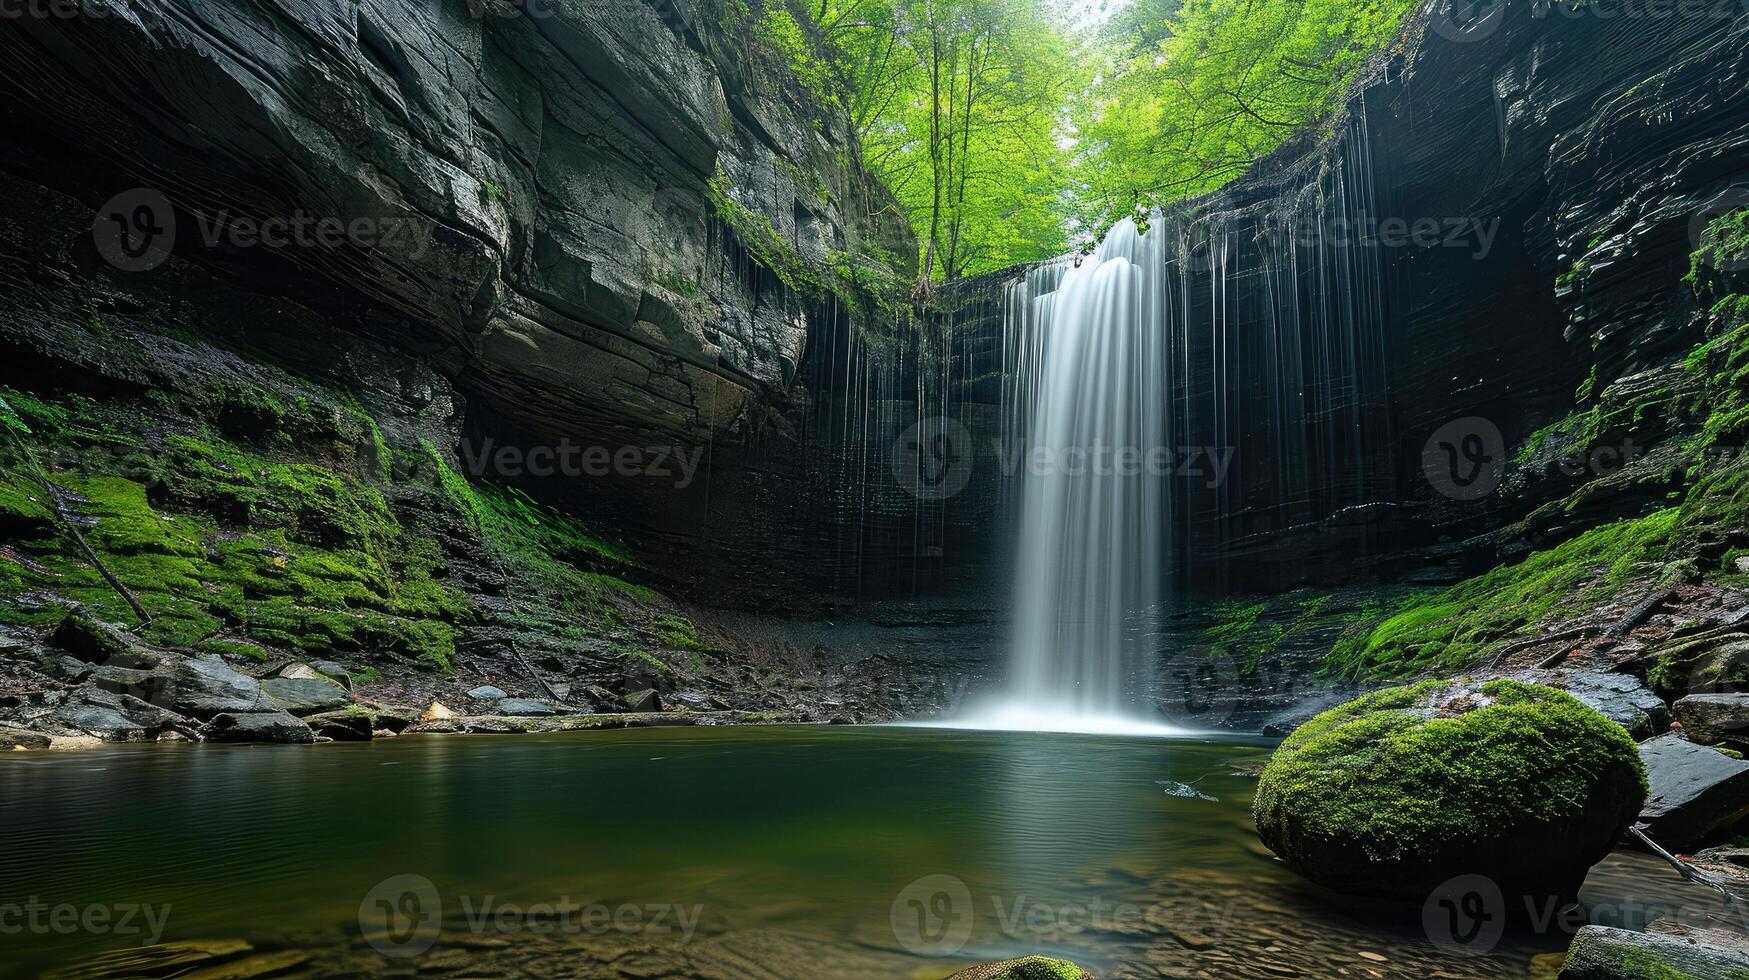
(23, 509)
(1645, 965)
(678, 632)
(525, 532)
(1452, 628)
(1037, 968)
(644, 657)
(783, 38)
(217, 540)
(1396, 784)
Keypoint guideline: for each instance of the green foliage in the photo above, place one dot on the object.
(227, 548)
(959, 105)
(1724, 243)
(784, 38)
(556, 553)
(12, 420)
(644, 657)
(1451, 628)
(1393, 780)
(1192, 93)
(1009, 131)
(678, 632)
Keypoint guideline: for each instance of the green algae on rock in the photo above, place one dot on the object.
(1025, 968)
(1398, 791)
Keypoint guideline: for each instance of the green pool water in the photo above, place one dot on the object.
(693, 852)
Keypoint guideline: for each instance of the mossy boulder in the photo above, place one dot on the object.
(1397, 792)
(1025, 968)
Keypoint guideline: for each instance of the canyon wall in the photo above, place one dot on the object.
(607, 226)
(1491, 236)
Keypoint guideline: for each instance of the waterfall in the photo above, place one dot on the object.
(1170, 404)
(1090, 375)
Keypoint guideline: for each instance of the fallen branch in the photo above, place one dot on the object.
(1639, 614)
(59, 508)
(1555, 659)
(96, 562)
(1698, 642)
(1509, 649)
(1684, 869)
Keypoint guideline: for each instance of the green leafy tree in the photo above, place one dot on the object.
(959, 107)
(1190, 95)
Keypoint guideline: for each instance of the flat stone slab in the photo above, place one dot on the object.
(1695, 791)
(341, 726)
(525, 708)
(487, 694)
(304, 695)
(206, 686)
(1619, 697)
(1603, 953)
(114, 717)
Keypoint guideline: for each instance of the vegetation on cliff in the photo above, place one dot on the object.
(250, 521)
(1705, 521)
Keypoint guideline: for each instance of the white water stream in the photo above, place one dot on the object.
(1090, 378)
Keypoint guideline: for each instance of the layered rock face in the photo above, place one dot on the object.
(590, 217)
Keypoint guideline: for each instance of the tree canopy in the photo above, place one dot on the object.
(1013, 130)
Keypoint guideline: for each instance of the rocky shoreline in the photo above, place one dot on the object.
(98, 685)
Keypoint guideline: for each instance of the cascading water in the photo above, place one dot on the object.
(1186, 390)
(1089, 374)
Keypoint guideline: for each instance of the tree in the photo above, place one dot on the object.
(958, 105)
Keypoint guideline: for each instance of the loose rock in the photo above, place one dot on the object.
(1695, 792)
(525, 708)
(1603, 953)
(260, 726)
(304, 695)
(1714, 718)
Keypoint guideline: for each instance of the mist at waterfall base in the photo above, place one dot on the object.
(1087, 366)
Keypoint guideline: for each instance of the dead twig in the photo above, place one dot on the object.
(1509, 649)
(1682, 867)
(1639, 614)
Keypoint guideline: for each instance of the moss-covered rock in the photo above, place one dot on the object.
(1025, 968)
(1396, 792)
